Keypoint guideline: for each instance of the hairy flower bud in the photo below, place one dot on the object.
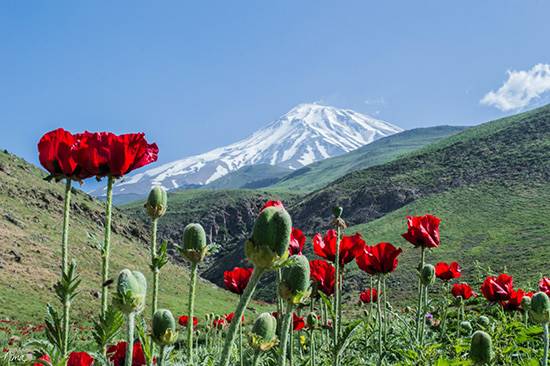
(481, 349)
(157, 202)
(484, 321)
(539, 311)
(312, 320)
(295, 280)
(263, 334)
(164, 328)
(427, 274)
(194, 243)
(270, 238)
(466, 327)
(130, 292)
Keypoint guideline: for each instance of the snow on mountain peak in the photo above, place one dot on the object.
(307, 133)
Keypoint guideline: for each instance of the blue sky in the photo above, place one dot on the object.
(197, 75)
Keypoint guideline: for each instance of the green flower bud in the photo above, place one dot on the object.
(263, 334)
(466, 327)
(164, 328)
(157, 202)
(484, 321)
(525, 303)
(481, 349)
(268, 246)
(194, 243)
(312, 320)
(295, 281)
(130, 292)
(427, 274)
(337, 211)
(540, 308)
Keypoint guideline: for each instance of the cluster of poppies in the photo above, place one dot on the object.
(94, 154)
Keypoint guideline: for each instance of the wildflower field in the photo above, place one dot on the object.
(489, 321)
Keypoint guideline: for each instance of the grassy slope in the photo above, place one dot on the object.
(506, 151)
(253, 176)
(30, 227)
(502, 227)
(321, 173)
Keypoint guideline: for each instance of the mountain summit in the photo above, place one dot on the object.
(307, 133)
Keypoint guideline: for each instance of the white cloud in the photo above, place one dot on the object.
(520, 89)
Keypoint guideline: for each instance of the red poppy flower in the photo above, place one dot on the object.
(184, 320)
(381, 258)
(44, 357)
(117, 354)
(58, 154)
(325, 247)
(370, 294)
(462, 290)
(297, 241)
(80, 359)
(298, 322)
(322, 275)
(446, 272)
(514, 303)
(237, 279)
(423, 231)
(272, 204)
(229, 317)
(497, 289)
(219, 323)
(544, 285)
(6, 350)
(104, 153)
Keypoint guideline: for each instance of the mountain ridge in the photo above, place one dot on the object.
(305, 134)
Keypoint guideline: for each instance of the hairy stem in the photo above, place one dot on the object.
(243, 303)
(380, 325)
(64, 263)
(155, 270)
(241, 344)
(546, 345)
(420, 293)
(130, 325)
(311, 348)
(336, 325)
(191, 306)
(256, 360)
(106, 248)
(284, 334)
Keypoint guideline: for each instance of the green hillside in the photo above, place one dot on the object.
(505, 152)
(504, 227)
(253, 176)
(30, 233)
(319, 174)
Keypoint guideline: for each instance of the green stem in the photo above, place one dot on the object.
(65, 263)
(384, 306)
(336, 323)
(311, 348)
(106, 247)
(155, 270)
(130, 323)
(380, 326)
(241, 343)
(546, 345)
(445, 307)
(424, 311)
(161, 356)
(284, 334)
(191, 306)
(245, 299)
(420, 293)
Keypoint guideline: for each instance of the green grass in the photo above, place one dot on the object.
(319, 174)
(503, 228)
(30, 227)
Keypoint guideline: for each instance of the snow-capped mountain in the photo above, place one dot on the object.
(307, 133)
